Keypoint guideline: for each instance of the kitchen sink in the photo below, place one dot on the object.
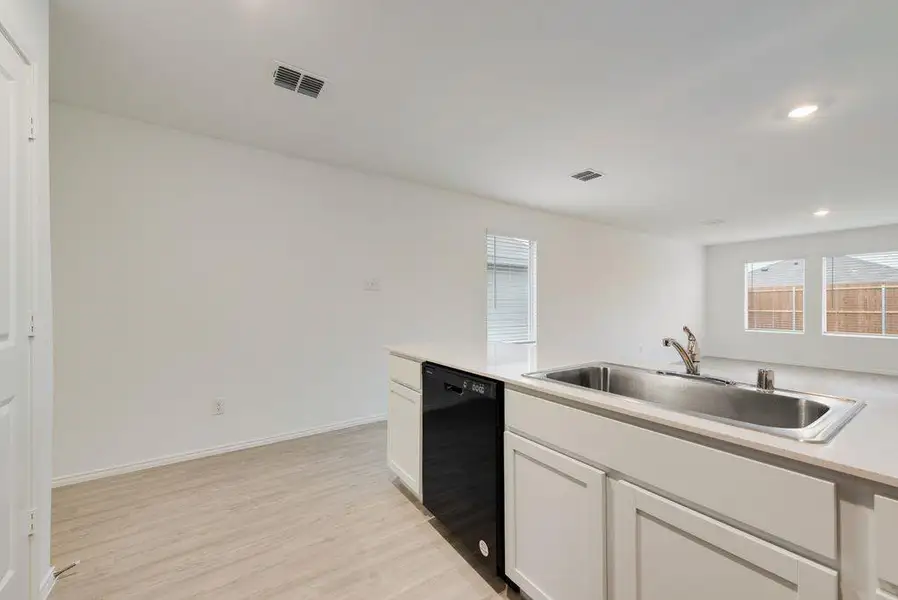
(797, 415)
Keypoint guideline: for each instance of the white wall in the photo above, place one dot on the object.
(28, 24)
(188, 268)
(725, 304)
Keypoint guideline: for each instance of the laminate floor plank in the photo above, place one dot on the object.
(318, 518)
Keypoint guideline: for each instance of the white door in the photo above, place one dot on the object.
(665, 551)
(554, 523)
(14, 344)
(404, 436)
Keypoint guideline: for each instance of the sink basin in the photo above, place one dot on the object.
(796, 415)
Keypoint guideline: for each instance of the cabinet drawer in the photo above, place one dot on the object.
(405, 371)
(793, 507)
(885, 532)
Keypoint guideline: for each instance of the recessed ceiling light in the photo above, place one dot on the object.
(805, 110)
(822, 212)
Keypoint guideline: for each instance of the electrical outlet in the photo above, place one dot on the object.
(218, 407)
(372, 285)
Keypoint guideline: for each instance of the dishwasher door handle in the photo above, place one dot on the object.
(453, 388)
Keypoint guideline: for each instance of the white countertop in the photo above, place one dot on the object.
(867, 447)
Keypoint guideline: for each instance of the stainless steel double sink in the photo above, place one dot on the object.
(796, 415)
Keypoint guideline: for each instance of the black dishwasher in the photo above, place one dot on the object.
(463, 421)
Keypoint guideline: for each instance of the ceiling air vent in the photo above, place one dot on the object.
(297, 81)
(587, 175)
(310, 86)
(287, 78)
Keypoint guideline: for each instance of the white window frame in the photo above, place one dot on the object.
(804, 298)
(531, 287)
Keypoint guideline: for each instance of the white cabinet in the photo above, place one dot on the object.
(664, 551)
(404, 436)
(405, 371)
(885, 512)
(802, 512)
(554, 523)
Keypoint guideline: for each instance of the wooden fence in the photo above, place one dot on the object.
(862, 308)
(854, 308)
(777, 308)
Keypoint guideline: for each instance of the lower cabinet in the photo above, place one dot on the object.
(664, 551)
(404, 436)
(554, 523)
(886, 536)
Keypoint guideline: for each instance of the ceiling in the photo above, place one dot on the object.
(680, 104)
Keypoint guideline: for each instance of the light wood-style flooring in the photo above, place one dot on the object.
(314, 518)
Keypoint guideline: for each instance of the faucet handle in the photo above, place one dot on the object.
(692, 344)
(766, 380)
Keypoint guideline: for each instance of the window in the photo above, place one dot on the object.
(861, 294)
(774, 295)
(510, 289)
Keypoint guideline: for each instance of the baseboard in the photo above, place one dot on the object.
(193, 455)
(47, 584)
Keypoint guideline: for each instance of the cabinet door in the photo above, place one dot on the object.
(665, 551)
(404, 436)
(554, 523)
(886, 536)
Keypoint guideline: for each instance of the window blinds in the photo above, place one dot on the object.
(861, 292)
(774, 295)
(511, 291)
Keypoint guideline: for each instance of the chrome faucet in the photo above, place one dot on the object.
(690, 355)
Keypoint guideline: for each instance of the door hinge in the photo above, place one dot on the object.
(31, 327)
(32, 522)
(31, 134)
